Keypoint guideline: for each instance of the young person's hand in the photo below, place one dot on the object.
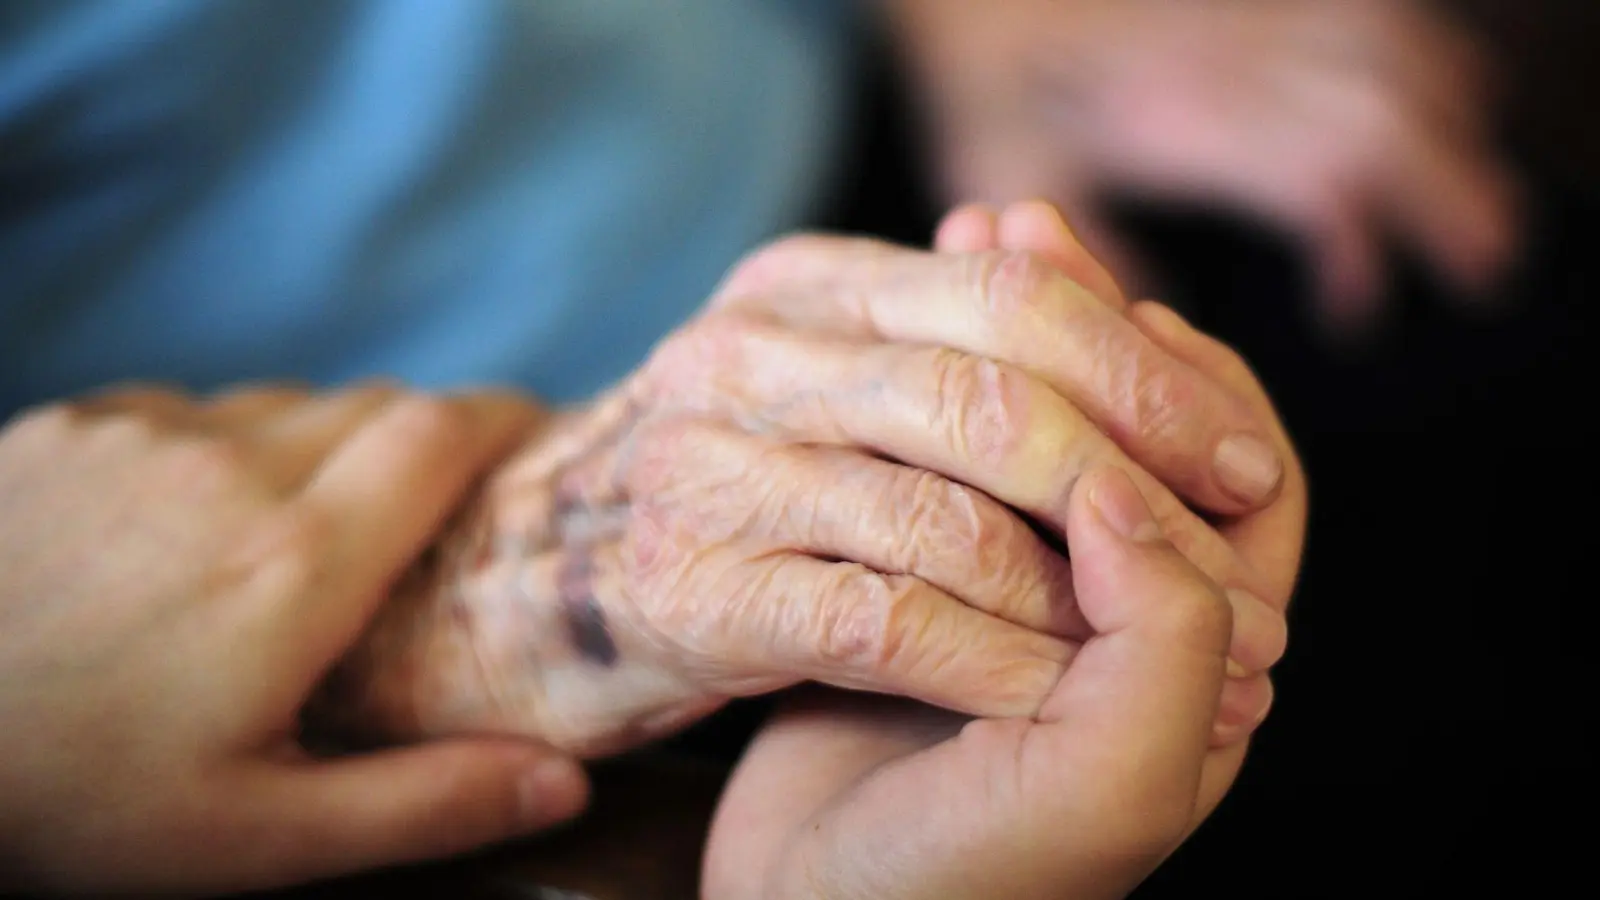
(175, 578)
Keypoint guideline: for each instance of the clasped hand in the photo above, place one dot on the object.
(859, 467)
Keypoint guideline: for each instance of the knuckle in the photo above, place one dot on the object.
(1161, 402)
(944, 520)
(652, 460)
(1013, 281)
(867, 624)
(45, 424)
(682, 362)
(654, 557)
(761, 269)
(979, 406)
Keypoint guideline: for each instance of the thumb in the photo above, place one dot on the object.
(1089, 798)
(403, 805)
(1129, 726)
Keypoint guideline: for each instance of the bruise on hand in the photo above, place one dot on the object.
(586, 622)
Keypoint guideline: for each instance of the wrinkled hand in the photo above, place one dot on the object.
(178, 575)
(843, 796)
(854, 468)
(848, 797)
(1343, 123)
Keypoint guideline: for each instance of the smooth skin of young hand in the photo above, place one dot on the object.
(178, 575)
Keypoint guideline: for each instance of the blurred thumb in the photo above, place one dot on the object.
(405, 805)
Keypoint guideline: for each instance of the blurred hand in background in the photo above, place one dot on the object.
(1347, 124)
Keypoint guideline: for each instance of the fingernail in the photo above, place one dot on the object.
(550, 791)
(1123, 507)
(1260, 633)
(1245, 705)
(1248, 467)
(1235, 670)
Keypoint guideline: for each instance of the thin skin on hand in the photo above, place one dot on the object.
(811, 492)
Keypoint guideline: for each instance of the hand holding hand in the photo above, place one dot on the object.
(852, 797)
(854, 468)
(178, 577)
(847, 796)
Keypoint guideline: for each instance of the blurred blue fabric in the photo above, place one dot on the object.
(453, 192)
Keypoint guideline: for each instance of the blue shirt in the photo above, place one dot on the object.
(522, 192)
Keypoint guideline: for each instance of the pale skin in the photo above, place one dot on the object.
(1352, 126)
(284, 519)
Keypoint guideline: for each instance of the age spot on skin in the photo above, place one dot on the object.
(586, 623)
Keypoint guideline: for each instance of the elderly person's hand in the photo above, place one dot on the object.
(842, 796)
(854, 468)
(1340, 122)
(176, 576)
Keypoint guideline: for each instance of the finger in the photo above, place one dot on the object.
(386, 491)
(974, 421)
(1037, 227)
(1270, 542)
(1018, 309)
(398, 806)
(296, 438)
(1405, 48)
(1113, 770)
(1244, 706)
(977, 422)
(1454, 203)
(839, 504)
(967, 229)
(1149, 682)
(839, 623)
(1349, 267)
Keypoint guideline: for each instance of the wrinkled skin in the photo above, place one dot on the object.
(1342, 123)
(853, 468)
(846, 796)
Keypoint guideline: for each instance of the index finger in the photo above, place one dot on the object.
(1190, 432)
